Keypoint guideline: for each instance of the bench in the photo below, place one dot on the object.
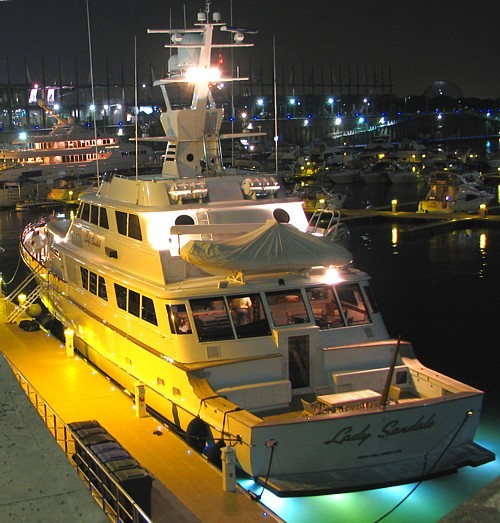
(373, 379)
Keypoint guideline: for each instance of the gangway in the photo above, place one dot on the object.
(22, 306)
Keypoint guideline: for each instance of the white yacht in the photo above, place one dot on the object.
(244, 329)
(451, 192)
(68, 149)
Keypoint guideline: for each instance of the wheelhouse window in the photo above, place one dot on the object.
(211, 319)
(287, 307)
(353, 304)
(337, 306)
(178, 319)
(248, 316)
(325, 307)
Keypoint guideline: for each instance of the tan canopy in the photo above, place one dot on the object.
(274, 247)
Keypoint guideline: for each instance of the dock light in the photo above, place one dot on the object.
(483, 210)
(69, 342)
(21, 299)
(394, 204)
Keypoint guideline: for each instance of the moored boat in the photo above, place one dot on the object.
(207, 289)
(450, 192)
(406, 173)
(69, 149)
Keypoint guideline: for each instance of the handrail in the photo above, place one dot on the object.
(106, 491)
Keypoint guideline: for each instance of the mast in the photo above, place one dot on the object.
(193, 134)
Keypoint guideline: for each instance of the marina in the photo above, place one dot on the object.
(451, 258)
(211, 342)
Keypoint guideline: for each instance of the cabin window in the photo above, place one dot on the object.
(101, 288)
(94, 215)
(93, 283)
(148, 310)
(325, 307)
(287, 307)
(211, 319)
(121, 296)
(128, 225)
(178, 319)
(353, 304)
(248, 316)
(85, 212)
(103, 218)
(134, 302)
(134, 227)
(85, 277)
(121, 222)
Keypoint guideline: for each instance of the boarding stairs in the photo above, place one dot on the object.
(31, 297)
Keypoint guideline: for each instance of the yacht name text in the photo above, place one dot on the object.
(392, 428)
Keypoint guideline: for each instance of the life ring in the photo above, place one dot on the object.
(196, 434)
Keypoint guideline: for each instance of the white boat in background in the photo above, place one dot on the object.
(207, 290)
(450, 192)
(406, 173)
(344, 175)
(69, 149)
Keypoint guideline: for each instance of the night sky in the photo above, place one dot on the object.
(420, 41)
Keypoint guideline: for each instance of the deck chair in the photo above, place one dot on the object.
(394, 393)
(309, 409)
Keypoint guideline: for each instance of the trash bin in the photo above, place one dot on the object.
(137, 482)
(84, 432)
(89, 424)
(121, 464)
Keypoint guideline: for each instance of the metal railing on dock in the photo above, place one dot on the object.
(109, 495)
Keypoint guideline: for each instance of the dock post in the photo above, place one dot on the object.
(483, 210)
(394, 204)
(228, 469)
(140, 400)
(69, 342)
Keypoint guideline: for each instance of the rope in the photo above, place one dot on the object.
(467, 415)
(256, 497)
(15, 272)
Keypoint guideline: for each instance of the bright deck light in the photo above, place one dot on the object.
(332, 276)
(200, 74)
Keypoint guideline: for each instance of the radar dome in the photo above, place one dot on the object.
(443, 88)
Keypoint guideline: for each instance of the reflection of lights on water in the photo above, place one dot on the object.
(394, 237)
(482, 241)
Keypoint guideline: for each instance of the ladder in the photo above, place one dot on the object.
(30, 298)
(318, 221)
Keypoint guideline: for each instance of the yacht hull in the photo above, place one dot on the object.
(331, 452)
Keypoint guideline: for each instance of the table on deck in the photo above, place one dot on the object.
(350, 400)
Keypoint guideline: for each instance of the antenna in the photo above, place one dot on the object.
(93, 96)
(136, 96)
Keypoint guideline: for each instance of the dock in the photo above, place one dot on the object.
(417, 223)
(186, 487)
